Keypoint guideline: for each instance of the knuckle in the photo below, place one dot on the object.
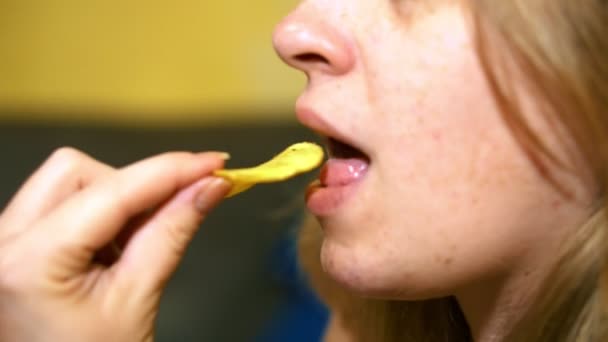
(106, 197)
(68, 159)
(115, 195)
(66, 153)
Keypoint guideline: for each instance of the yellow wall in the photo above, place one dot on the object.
(150, 58)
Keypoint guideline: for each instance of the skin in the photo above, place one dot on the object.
(452, 204)
(58, 279)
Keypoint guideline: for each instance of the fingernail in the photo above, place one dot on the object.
(221, 155)
(211, 191)
(224, 155)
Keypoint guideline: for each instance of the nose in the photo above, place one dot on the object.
(311, 45)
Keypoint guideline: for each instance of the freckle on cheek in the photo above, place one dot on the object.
(556, 204)
(443, 260)
(436, 136)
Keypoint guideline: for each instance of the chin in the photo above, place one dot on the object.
(366, 275)
(356, 271)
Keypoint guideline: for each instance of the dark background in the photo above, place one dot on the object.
(227, 288)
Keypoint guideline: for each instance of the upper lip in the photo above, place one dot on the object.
(308, 117)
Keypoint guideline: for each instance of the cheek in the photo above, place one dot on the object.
(436, 227)
(446, 124)
(451, 197)
(453, 203)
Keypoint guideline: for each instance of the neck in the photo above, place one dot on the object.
(494, 307)
(491, 310)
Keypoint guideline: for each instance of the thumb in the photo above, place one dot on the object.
(155, 250)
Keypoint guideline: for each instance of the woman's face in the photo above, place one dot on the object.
(436, 193)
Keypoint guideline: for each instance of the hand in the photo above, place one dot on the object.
(86, 249)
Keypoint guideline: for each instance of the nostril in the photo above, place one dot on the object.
(308, 45)
(311, 58)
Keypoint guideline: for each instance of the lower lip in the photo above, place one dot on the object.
(337, 183)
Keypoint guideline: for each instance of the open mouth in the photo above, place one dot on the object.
(346, 164)
(339, 150)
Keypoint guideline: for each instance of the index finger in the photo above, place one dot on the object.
(65, 172)
(93, 217)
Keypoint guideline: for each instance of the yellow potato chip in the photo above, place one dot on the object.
(294, 160)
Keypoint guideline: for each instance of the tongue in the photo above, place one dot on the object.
(340, 172)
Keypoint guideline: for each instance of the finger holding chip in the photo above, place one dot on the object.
(294, 160)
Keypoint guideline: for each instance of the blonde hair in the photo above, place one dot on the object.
(562, 48)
